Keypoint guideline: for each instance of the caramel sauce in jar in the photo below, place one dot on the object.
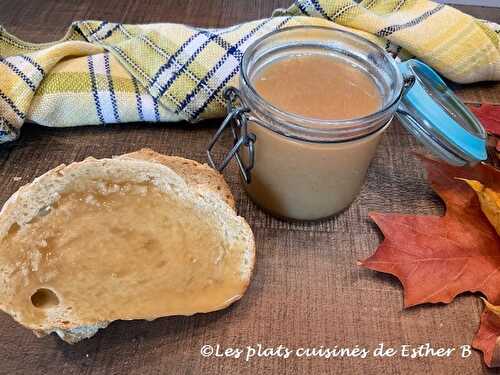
(318, 86)
(319, 101)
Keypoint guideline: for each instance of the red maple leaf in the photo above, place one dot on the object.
(489, 115)
(439, 257)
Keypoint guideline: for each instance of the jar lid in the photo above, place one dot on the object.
(436, 117)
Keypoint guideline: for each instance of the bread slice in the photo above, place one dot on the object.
(138, 236)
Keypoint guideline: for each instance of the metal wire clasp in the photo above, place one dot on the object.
(237, 118)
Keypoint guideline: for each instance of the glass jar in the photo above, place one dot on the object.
(305, 168)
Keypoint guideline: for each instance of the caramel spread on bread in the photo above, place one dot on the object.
(121, 239)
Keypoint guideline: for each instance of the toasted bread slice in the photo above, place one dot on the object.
(120, 239)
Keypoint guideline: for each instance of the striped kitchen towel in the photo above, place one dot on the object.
(103, 73)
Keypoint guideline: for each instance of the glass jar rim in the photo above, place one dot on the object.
(298, 122)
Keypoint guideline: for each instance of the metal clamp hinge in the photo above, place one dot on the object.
(237, 118)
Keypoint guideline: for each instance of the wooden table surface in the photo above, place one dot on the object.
(307, 290)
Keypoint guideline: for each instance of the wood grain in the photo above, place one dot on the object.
(307, 289)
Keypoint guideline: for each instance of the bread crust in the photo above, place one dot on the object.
(199, 180)
(200, 176)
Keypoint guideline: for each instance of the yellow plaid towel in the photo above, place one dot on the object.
(102, 73)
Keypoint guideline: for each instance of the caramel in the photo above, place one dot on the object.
(120, 251)
(306, 180)
(318, 86)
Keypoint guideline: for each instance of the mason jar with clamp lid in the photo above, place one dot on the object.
(311, 107)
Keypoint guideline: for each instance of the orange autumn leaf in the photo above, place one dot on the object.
(439, 257)
(487, 339)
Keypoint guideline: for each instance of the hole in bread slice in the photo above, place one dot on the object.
(44, 298)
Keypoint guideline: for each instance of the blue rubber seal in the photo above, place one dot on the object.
(431, 111)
